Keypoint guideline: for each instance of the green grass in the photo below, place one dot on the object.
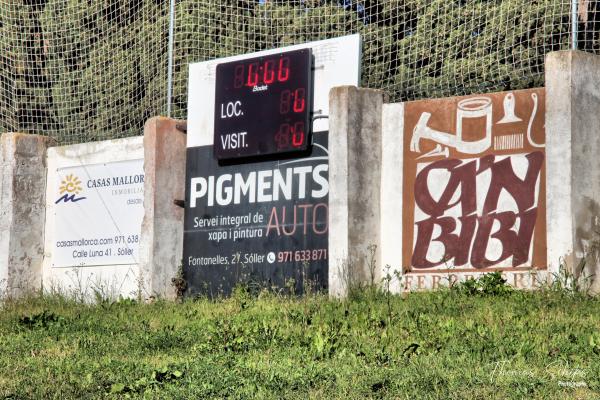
(441, 345)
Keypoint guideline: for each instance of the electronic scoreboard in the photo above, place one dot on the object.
(263, 105)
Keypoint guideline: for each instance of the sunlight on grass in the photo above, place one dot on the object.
(445, 344)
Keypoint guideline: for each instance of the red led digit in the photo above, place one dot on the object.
(269, 72)
(238, 76)
(284, 69)
(284, 102)
(299, 100)
(298, 134)
(282, 137)
(252, 74)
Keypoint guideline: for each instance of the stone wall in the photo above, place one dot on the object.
(424, 193)
(498, 182)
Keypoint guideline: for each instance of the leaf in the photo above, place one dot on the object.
(142, 382)
(177, 374)
(117, 388)
(163, 370)
(411, 349)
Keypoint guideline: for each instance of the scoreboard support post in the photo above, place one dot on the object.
(354, 182)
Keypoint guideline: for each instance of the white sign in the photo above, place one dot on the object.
(98, 214)
(337, 63)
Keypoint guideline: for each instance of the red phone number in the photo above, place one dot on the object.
(302, 255)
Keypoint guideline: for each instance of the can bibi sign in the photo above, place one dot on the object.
(98, 214)
(474, 183)
(262, 223)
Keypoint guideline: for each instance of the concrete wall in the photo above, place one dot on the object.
(558, 125)
(572, 123)
(378, 169)
(162, 229)
(354, 187)
(108, 281)
(22, 212)
(390, 264)
(369, 146)
(30, 183)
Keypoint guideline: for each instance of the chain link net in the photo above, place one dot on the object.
(82, 70)
(93, 70)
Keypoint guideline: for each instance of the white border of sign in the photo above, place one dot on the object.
(109, 280)
(337, 63)
(110, 214)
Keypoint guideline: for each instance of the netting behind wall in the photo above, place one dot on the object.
(82, 70)
(91, 70)
(412, 49)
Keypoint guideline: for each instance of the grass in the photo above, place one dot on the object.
(438, 345)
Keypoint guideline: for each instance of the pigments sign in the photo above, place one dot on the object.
(474, 183)
(262, 223)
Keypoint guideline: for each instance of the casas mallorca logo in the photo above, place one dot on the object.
(69, 188)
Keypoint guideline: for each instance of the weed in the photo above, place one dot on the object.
(326, 340)
(158, 377)
(40, 320)
(290, 286)
(372, 263)
(179, 283)
(491, 284)
(387, 281)
(570, 282)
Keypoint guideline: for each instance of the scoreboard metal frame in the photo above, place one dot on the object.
(263, 105)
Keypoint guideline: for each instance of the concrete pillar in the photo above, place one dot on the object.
(573, 162)
(355, 149)
(22, 212)
(391, 194)
(161, 244)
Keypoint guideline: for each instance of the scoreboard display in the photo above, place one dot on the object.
(263, 105)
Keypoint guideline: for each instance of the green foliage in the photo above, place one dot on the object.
(574, 283)
(159, 376)
(91, 70)
(40, 320)
(179, 283)
(491, 284)
(436, 345)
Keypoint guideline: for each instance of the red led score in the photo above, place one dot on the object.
(266, 73)
(263, 105)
